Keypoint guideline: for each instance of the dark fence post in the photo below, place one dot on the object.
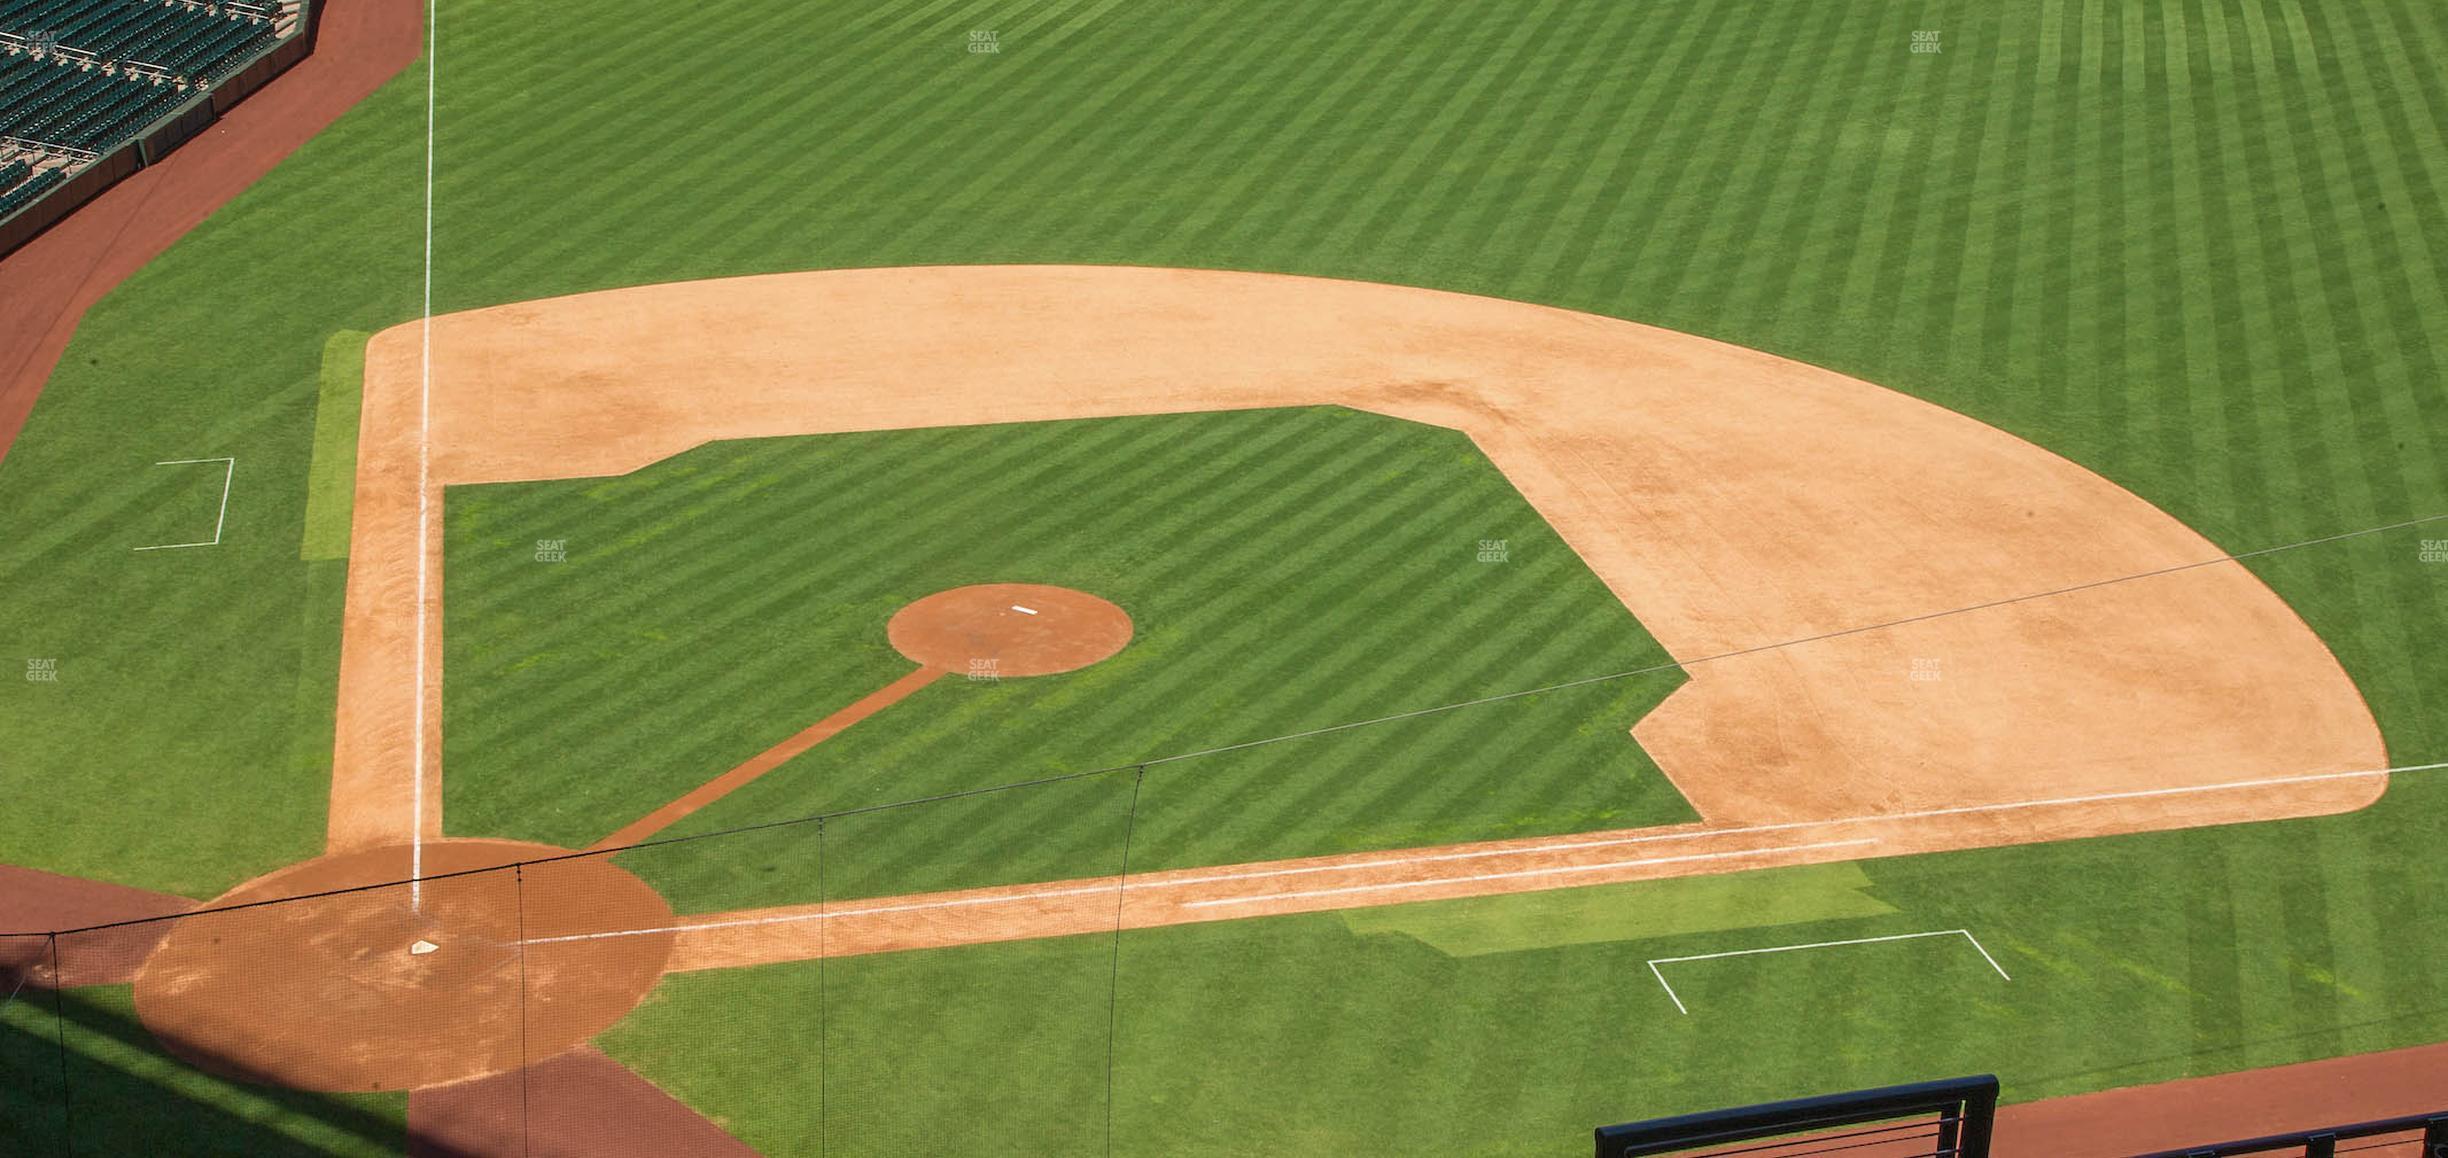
(1979, 1121)
(59, 1030)
(2435, 1137)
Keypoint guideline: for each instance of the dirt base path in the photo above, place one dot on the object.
(46, 286)
(768, 760)
(1733, 500)
(579, 1105)
(33, 899)
(1315, 884)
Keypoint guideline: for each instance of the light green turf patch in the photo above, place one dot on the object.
(331, 476)
(1628, 912)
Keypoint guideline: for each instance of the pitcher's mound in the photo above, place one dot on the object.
(378, 987)
(1009, 629)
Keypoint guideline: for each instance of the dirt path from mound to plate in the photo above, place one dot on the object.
(1733, 500)
(47, 285)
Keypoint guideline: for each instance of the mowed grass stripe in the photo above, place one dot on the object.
(942, 129)
(1923, 275)
(592, 705)
(1076, 135)
(1320, 109)
(1267, 114)
(1700, 114)
(2374, 487)
(2231, 299)
(1184, 71)
(1587, 193)
(1366, 484)
(1224, 122)
(2186, 370)
(1011, 120)
(1762, 182)
(1556, 123)
(2263, 402)
(1110, 732)
(1497, 103)
(716, 571)
(2303, 312)
(1814, 270)
(2414, 289)
(774, 588)
(1251, 789)
(1441, 74)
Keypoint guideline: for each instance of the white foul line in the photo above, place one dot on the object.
(1966, 934)
(416, 835)
(1045, 894)
(1520, 873)
(827, 915)
(220, 520)
(1472, 854)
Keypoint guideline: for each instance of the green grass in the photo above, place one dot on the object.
(331, 475)
(2133, 959)
(2195, 246)
(126, 1096)
(1285, 570)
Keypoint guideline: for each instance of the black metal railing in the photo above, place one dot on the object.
(1954, 1117)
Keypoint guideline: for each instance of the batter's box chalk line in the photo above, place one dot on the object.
(1660, 974)
(229, 472)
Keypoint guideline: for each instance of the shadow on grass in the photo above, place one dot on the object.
(106, 1085)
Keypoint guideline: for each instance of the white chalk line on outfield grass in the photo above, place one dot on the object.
(1099, 889)
(1660, 974)
(416, 772)
(228, 475)
(1472, 854)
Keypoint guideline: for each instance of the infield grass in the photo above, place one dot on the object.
(1285, 570)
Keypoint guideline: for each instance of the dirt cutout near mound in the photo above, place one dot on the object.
(1731, 499)
(387, 986)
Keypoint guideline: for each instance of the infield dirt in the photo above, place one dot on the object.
(1804, 543)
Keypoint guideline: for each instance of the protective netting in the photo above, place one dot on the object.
(32, 1099)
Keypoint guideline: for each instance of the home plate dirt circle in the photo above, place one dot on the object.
(1009, 629)
(385, 988)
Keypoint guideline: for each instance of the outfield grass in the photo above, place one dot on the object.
(2133, 959)
(2195, 246)
(1285, 570)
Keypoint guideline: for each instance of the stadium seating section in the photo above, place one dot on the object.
(125, 64)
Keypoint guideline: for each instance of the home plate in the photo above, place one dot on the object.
(421, 948)
(1024, 610)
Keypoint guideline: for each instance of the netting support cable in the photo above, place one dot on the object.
(824, 1055)
(1113, 980)
(518, 881)
(59, 1034)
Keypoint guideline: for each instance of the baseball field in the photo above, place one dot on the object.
(1252, 578)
